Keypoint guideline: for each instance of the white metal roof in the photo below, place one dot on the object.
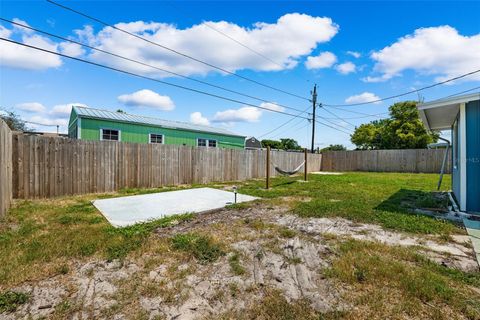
(92, 113)
(440, 114)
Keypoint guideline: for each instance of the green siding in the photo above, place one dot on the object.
(139, 133)
(72, 128)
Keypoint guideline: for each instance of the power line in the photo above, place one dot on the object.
(365, 115)
(247, 47)
(335, 115)
(285, 123)
(458, 93)
(148, 78)
(146, 64)
(293, 126)
(406, 93)
(174, 51)
(326, 125)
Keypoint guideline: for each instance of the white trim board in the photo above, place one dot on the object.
(463, 158)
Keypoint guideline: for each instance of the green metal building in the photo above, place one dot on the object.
(96, 124)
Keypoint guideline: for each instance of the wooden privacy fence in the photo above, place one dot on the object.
(408, 160)
(49, 167)
(5, 167)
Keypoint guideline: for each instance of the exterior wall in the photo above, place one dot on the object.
(473, 155)
(138, 133)
(72, 129)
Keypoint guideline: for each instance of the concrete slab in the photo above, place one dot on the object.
(473, 230)
(126, 211)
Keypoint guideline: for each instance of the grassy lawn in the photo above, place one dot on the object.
(45, 238)
(382, 198)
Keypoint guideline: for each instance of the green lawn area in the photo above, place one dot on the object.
(41, 237)
(386, 199)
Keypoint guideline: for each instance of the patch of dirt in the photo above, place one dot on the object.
(453, 254)
(175, 289)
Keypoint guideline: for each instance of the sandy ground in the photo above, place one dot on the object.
(99, 289)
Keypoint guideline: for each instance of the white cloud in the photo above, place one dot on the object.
(65, 109)
(4, 32)
(285, 41)
(346, 68)
(354, 54)
(271, 106)
(31, 107)
(323, 60)
(48, 121)
(197, 118)
(363, 97)
(147, 98)
(244, 114)
(439, 51)
(16, 56)
(71, 49)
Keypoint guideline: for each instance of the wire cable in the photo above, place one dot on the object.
(336, 116)
(284, 124)
(175, 51)
(145, 64)
(148, 78)
(406, 93)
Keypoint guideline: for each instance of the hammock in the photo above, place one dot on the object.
(288, 173)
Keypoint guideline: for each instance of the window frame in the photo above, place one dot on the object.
(157, 134)
(207, 143)
(111, 129)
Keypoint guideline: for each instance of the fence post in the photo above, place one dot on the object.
(305, 165)
(267, 186)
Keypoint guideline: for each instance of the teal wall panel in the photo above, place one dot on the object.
(473, 155)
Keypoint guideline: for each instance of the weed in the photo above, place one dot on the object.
(10, 300)
(235, 266)
(287, 233)
(203, 248)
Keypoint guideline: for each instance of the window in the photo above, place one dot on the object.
(202, 142)
(207, 143)
(156, 138)
(212, 143)
(110, 134)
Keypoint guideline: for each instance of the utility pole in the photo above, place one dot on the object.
(314, 103)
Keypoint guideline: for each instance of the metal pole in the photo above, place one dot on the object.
(314, 104)
(268, 168)
(445, 156)
(305, 165)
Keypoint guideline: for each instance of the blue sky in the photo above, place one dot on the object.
(353, 51)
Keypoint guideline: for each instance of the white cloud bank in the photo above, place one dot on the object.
(323, 60)
(346, 68)
(439, 51)
(197, 118)
(362, 98)
(285, 41)
(147, 98)
(271, 106)
(16, 56)
(31, 107)
(354, 54)
(243, 114)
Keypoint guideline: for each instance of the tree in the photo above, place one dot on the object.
(283, 144)
(14, 122)
(290, 144)
(274, 144)
(335, 147)
(403, 130)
